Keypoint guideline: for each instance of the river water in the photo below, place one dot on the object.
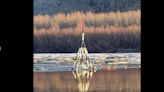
(118, 80)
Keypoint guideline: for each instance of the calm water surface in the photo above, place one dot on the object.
(84, 81)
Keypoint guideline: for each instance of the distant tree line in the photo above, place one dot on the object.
(56, 6)
(114, 5)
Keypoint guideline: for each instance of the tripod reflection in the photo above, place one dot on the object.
(83, 78)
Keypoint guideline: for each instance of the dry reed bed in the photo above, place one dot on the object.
(105, 32)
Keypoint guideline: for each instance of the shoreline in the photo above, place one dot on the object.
(65, 68)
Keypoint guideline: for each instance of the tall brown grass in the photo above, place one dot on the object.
(62, 20)
(105, 32)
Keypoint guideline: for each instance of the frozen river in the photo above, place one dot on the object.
(52, 73)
